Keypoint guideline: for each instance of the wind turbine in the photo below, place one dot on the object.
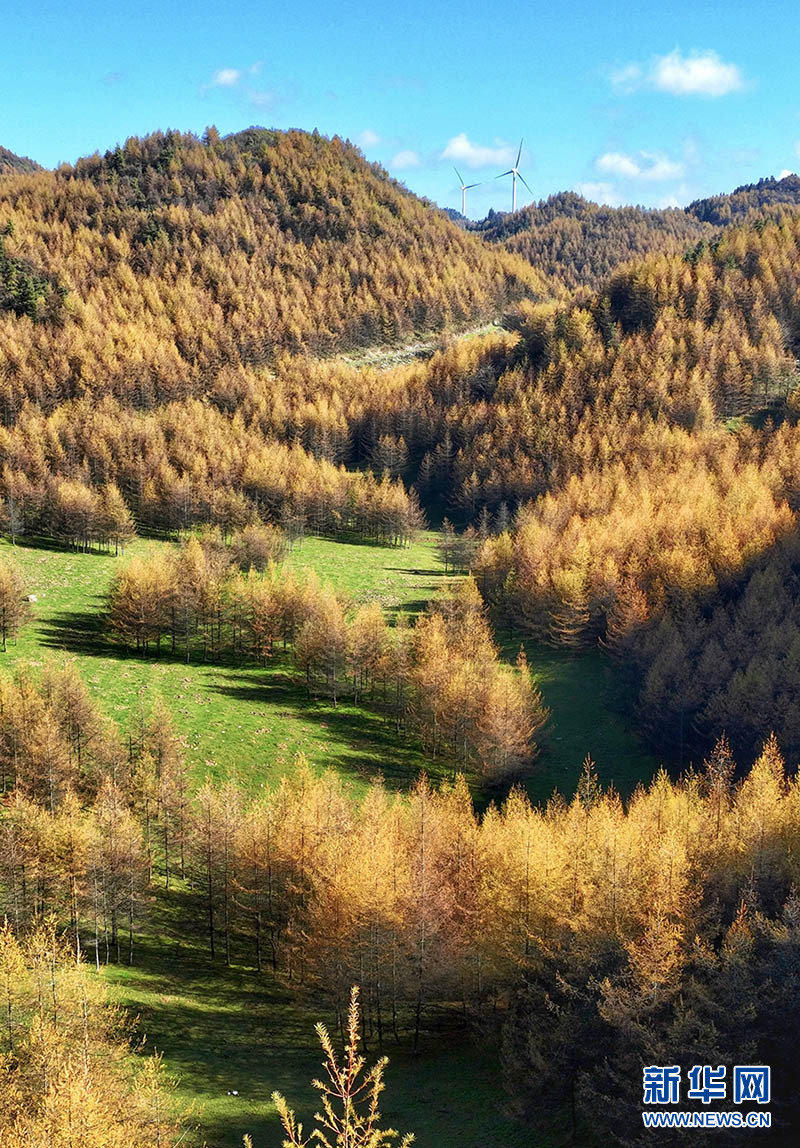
(464, 189)
(514, 172)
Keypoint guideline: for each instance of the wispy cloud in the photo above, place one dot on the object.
(368, 138)
(696, 74)
(652, 167)
(627, 78)
(615, 163)
(461, 149)
(226, 78)
(405, 159)
(238, 80)
(600, 192)
(261, 99)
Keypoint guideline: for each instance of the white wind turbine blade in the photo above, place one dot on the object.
(522, 177)
(519, 153)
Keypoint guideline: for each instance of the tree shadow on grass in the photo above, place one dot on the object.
(79, 632)
(362, 742)
(410, 609)
(427, 573)
(42, 542)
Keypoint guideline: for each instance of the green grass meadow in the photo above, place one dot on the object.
(224, 1030)
(243, 717)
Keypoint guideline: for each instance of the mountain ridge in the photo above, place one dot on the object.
(11, 162)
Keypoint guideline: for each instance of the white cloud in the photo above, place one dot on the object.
(784, 173)
(653, 167)
(367, 139)
(699, 74)
(462, 150)
(230, 77)
(614, 163)
(696, 74)
(604, 193)
(226, 78)
(405, 159)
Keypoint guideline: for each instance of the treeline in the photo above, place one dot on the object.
(596, 937)
(721, 210)
(75, 827)
(440, 680)
(14, 609)
(180, 257)
(89, 473)
(593, 936)
(578, 243)
(78, 514)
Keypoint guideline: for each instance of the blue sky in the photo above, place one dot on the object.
(636, 103)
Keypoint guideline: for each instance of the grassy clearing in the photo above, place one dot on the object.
(384, 357)
(228, 1029)
(244, 718)
(580, 691)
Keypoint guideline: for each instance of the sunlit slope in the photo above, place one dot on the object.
(177, 258)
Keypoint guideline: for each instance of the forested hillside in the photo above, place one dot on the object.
(9, 162)
(667, 460)
(580, 243)
(720, 210)
(178, 258)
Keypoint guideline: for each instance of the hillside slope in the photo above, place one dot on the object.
(178, 257)
(10, 162)
(721, 210)
(580, 243)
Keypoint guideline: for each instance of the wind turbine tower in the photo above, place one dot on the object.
(464, 189)
(515, 174)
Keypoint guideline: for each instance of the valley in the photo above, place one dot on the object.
(396, 604)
